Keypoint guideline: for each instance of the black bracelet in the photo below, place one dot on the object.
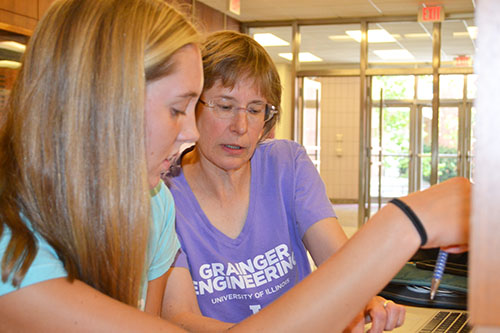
(413, 218)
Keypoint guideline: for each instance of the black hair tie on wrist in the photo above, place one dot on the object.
(413, 218)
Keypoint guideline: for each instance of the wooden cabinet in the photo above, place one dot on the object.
(21, 16)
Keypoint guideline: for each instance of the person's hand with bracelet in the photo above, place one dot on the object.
(432, 214)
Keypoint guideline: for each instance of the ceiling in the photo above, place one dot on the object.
(331, 43)
(275, 10)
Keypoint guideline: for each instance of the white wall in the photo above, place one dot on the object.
(340, 155)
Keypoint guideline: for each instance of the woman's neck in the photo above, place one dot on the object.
(202, 174)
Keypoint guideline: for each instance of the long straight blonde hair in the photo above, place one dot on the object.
(72, 146)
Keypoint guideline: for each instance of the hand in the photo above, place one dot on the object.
(444, 210)
(383, 314)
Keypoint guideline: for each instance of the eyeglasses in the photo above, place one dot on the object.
(225, 109)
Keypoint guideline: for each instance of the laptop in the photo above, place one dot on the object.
(428, 320)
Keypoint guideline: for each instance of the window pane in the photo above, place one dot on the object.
(425, 87)
(276, 41)
(312, 91)
(426, 130)
(448, 131)
(447, 168)
(394, 87)
(458, 43)
(399, 44)
(395, 138)
(471, 86)
(425, 167)
(332, 46)
(451, 86)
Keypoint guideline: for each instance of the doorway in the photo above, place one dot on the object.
(401, 134)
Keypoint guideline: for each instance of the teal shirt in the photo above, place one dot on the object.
(162, 248)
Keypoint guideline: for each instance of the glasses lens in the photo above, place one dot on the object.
(223, 108)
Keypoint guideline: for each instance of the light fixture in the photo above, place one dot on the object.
(339, 37)
(417, 36)
(461, 34)
(268, 39)
(9, 64)
(374, 36)
(399, 54)
(13, 46)
(472, 30)
(303, 57)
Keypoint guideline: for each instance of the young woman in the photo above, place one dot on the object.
(104, 99)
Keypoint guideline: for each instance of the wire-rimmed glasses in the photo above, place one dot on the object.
(226, 109)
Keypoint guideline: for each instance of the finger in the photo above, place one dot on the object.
(378, 315)
(402, 316)
(393, 310)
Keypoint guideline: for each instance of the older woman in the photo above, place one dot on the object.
(248, 209)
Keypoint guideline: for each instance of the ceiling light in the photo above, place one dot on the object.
(268, 39)
(463, 34)
(472, 31)
(13, 46)
(9, 64)
(417, 36)
(374, 36)
(303, 57)
(399, 54)
(339, 37)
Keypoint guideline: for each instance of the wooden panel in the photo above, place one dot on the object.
(232, 24)
(7, 78)
(43, 5)
(27, 8)
(484, 285)
(17, 21)
(209, 18)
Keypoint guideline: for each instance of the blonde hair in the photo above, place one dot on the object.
(72, 147)
(230, 56)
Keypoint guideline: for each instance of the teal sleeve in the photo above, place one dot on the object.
(164, 244)
(46, 265)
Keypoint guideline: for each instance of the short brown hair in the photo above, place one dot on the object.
(229, 56)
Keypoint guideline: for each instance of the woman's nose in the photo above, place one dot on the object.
(239, 123)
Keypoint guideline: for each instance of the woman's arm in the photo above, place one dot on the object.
(61, 306)
(327, 300)
(154, 297)
(323, 239)
(332, 295)
(180, 304)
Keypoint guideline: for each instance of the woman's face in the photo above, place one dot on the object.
(229, 143)
(169, 111)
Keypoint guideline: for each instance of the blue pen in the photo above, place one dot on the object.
(438, 272)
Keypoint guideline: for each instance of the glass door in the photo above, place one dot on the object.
(401, 136)
(311, 95)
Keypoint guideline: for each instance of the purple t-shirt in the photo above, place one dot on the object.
(234, 278)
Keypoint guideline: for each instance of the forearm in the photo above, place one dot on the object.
(197, 323)
(327, 300)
